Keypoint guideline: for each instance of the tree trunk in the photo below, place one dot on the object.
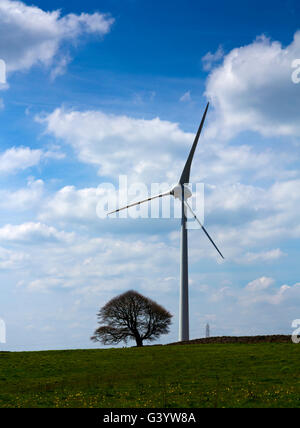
(139, 342)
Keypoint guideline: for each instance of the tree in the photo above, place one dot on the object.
(131, 316)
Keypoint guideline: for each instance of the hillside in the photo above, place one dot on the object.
(214, 375)
(238, 339)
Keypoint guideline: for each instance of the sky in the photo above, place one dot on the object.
(96, 90)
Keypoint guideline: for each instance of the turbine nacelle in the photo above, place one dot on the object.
(180, 191)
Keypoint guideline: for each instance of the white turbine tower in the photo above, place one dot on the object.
(183, 193)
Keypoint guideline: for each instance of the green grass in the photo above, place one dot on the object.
(254, 375)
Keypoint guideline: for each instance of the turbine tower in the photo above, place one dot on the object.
(183, 193)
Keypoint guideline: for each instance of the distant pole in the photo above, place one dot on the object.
(207, 331)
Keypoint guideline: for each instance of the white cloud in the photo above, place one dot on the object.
(253, 90)
(124, 145)
(33, 233)
(54, 154)
(210, 59)
(250, 217)
(61, 67)
(260, 284)
(24, 198)
(91, 266)
(120, 144)
(2, 72)
(221, 294)
(30, 36)
(186, 97)
(244, 217)
(248, 300)
(263, 256)
(258, 292)
(19, 158)
(262, 308)
(12, 259)
(71, 204)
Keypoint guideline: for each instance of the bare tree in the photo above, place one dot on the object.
(131, 316)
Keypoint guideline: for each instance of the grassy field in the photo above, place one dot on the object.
(235, 375)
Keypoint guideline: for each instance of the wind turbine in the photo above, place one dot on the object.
(183, 193)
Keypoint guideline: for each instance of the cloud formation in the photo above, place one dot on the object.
(245, 217)
(186, 97)
(33, 233)
(20, 158)
(253, 90)
(210, 59)
(31, 36)
(22, 199)
(120, 144)
(260, 284)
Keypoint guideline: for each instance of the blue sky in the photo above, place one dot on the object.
(119, 87)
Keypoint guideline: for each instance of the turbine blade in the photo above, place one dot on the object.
(185, 178)
(203, 228)
(134, 204)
